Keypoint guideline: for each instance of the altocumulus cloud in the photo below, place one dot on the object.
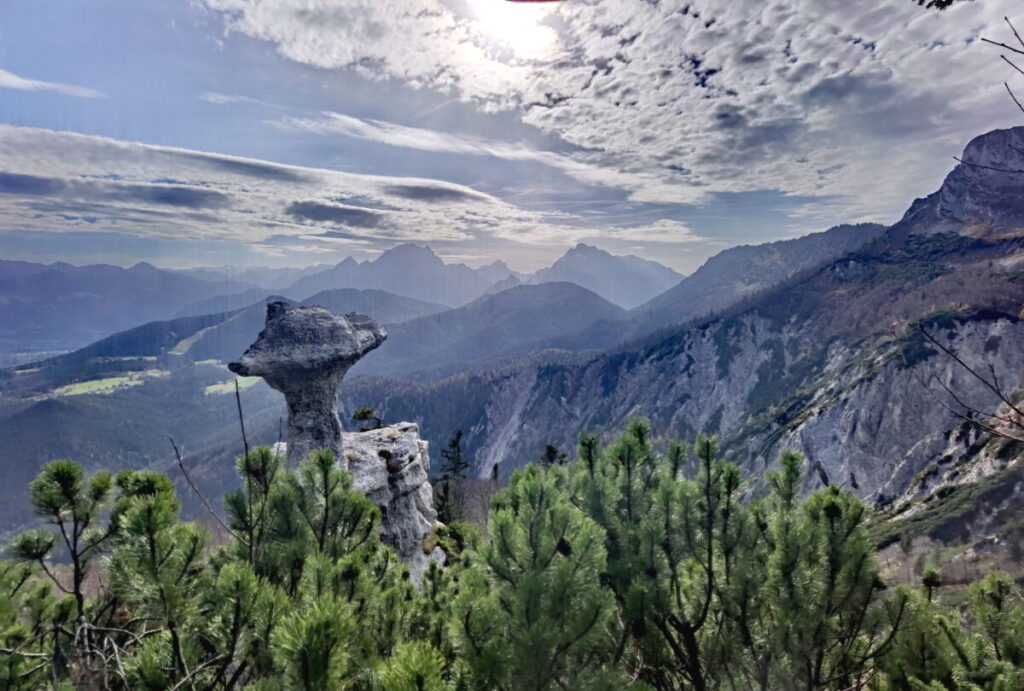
(689, 97)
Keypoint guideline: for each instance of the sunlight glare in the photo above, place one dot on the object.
(518, 26)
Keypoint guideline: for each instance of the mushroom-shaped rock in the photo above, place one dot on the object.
(304, 352)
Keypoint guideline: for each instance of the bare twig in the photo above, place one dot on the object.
(28, 673)
(1010, 91)
(968, 413)
(19, 653)
(195, 490)
(241, 419)
(53, 578)
(1003, 45)
(191, 675)
(979, 165)
(1012, 64)
(970, 409)
(248, 480)
(1014, 30)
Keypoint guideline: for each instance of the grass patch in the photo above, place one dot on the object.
(228, 386)
(107, 385)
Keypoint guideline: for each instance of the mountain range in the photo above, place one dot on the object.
(626, 281)
(813, 344)
(514, 321)
(409, 270)
(57, 307)
(54, 308)
(262, 277)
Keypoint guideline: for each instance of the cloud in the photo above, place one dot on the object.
(241, 166)
(70, 181)
(219, 99)
(661, 231)
(160, 195)
(429, 193)
(9, 80)
(675, 100)
(347, 216)
(13, 183)
(153, 194)
(577, 165)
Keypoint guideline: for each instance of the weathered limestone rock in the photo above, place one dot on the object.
(391, 465)
(304, 352)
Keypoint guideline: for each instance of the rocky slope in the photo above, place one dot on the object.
(826, 364)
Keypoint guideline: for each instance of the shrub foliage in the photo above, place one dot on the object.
(626, 568)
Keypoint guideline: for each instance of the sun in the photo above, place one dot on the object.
(517, 26)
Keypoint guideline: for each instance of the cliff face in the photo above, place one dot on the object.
(982, 195)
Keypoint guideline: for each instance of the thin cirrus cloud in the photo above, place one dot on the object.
(640, 187)
(804, 97)
(9, 80)
(220, 99)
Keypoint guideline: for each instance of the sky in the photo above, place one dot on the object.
(299, 132)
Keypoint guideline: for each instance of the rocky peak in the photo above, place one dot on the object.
(391, 466)
(581, 249)
(408, 252)
(984, 194)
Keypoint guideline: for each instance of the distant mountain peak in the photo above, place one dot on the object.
(409, 254)
(584, 248)
(409, 249)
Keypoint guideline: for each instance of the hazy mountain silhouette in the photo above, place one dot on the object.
(508, 323)
(410, 270)
(52, 307)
